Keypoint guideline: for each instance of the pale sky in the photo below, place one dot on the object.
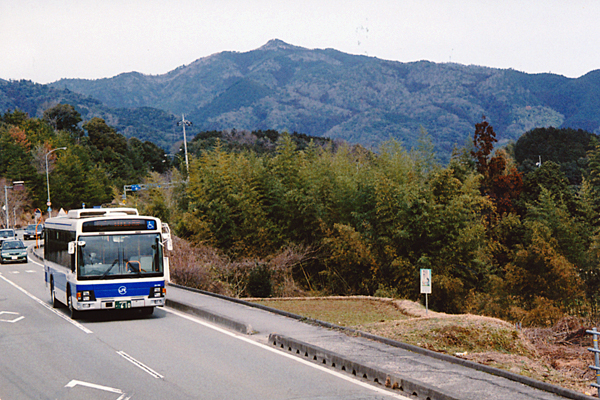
(46, 40)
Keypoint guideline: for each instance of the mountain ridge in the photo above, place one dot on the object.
(361, 99)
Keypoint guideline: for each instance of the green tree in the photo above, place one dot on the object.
(160, 198)
(103, 136)
(571, 240)
(226, 204)
(16, 118)
(548, 176)
(148, 156)
(76, 180)
(111, 152)
(538, 270)
(64, 117)
(449, 236)
(285, 201)
(350, 265)
(16, 160)
(566, 147)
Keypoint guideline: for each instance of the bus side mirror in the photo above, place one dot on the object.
(166, 235)
(71, 247)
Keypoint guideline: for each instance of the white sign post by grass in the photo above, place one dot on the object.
(426, 286)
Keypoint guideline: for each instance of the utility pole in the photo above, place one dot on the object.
(183, 123)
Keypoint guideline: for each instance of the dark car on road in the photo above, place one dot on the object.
(32, 231)
(7, 234)
(13, 251)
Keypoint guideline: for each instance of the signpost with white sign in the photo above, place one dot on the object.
(426, 286)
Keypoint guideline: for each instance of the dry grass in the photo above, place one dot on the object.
(192, 266)
(203, 267)
(343, 311)
(555, 355)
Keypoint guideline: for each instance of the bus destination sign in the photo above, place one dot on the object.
(119, 225)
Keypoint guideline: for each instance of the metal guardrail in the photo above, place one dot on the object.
(596, 352)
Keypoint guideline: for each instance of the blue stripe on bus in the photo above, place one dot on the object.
(120, 289)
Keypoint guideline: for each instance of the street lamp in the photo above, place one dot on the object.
(48, 178)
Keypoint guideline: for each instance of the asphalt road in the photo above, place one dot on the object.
(169, 355)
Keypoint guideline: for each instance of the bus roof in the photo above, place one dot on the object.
(100, 212)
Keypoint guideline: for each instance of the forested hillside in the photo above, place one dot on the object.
(363, 100)
(144, 123)
(270, 213)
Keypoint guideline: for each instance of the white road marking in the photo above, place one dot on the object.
(35, 262)
(74, 383)
(11, 321)
(43, 303)
(290, 356)
(138, 364)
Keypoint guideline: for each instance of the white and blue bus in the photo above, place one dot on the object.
(107, 258)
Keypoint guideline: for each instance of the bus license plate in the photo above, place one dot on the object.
(122, 304)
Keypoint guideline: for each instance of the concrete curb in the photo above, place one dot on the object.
(570, 394)
(210, 316)
(409, 387)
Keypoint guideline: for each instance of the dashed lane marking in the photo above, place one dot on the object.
(138, 364)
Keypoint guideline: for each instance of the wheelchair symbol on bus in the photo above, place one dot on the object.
(150, 225)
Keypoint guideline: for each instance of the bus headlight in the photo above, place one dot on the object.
(86, 295)
(158, 291)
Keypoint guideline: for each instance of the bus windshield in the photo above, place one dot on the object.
(119, 256)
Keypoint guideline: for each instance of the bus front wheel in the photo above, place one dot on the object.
(55, 302)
